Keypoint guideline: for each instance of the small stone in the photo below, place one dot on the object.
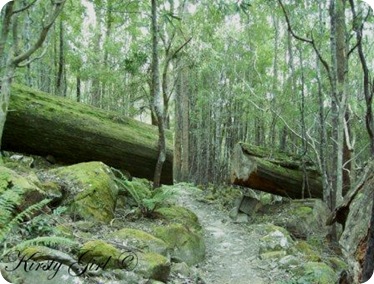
(181, 268)
(242, 218)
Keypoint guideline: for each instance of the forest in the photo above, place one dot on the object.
(195, 92)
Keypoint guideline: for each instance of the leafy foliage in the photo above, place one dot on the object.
(9, 200)
(147, 201)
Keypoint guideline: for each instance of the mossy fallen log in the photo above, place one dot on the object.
(42, 124)
(276, 173)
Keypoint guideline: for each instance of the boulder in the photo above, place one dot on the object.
(181, 215)
(185, 245)
(154, 266)
(89, 190)
(276, 243)
(20, 192)
(302, 218)
(100, 254)
(315, 272)
(139, 239)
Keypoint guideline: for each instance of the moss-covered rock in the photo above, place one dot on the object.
(20, 190)
(100, 253)
(278, 254)
(153, 265)
(316, 272)
(337, 264)
(185, 244)
(302, 218)
(277, 239)
(178, 214)
(140, 239)
(289, 261)
(310, 253)
(89, 190)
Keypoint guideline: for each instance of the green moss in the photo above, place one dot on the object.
(54, 107)
(265, 152)
(337, 264)
(278, 254)
(317, 272)
(21, 193)
(141, 240)
(178, 214)
(100, 253)
(154, 266)
(308, 251)
(92, 193)
(302, 211)
(64, 230)
(185, 245)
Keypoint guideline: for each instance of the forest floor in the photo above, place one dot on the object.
(232, 248)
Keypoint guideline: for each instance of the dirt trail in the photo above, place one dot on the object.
(231, 248)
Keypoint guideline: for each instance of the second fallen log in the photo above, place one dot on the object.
(275, 173)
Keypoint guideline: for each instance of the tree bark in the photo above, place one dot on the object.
(157, 102)
(42, 124)
(279, 174)
(61, 62)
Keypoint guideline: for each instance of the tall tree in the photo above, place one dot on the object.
(157, 99)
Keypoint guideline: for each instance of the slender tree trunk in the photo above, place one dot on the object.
(185, 127)
(157, 100)
(338, 56)
(61, 62)
(178, 127)
(78, 88)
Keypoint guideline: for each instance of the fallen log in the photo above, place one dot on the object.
(42, 124)
(275, 173)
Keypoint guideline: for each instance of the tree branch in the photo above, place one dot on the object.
(310, 41)
(33, 59)
(58, 5)
(24, 8)
(181, 47)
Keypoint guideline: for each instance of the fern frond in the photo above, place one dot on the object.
(45, 241)
(9, 199)
(21, 216)
(159, 196)
(128, 186)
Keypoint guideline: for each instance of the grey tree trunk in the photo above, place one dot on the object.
(157, 100)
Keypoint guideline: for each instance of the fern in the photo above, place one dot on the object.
(9, 199)
(45, 241)
(160, 196)
(146, 204)
(27, 213)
